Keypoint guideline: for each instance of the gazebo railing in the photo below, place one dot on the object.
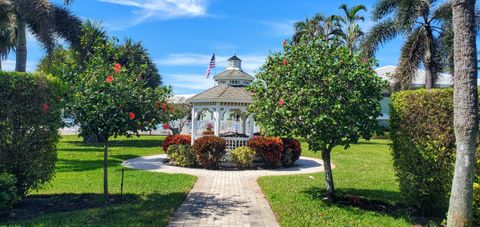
(234, 142)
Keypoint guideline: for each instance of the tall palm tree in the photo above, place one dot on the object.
(45, 20)
(318, 26)
(7, 39)
(351, 30)
(465, 110)
(419, 22)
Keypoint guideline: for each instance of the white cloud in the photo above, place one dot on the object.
(9, 65)
(162, 9)
(187, 82)
(250, 63)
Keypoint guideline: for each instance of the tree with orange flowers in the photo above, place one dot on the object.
(109, 102)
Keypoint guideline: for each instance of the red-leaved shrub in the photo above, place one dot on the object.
(269, 148)
(209, 151)
(176, 139)
(291, 151)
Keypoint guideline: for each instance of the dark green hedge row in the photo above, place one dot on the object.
(30, 116)
(421, 123)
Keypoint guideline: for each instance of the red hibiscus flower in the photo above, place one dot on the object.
(109, 79)
(284, 61)
(284, 43)
(117, 68)
(166, 126)
(281, 102)
(45, 107)
(131, 115)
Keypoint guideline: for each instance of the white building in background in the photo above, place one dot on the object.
(385, 72)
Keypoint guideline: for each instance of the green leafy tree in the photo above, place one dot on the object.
(109, 101)
(321, 92)
(420, 22)
(45, 20)
(7, 38)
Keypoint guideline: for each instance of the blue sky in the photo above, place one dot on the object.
(182, 34)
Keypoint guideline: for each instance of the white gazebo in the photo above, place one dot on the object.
(225, 107)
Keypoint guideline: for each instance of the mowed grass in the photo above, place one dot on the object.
(365, 184)
(74, 197)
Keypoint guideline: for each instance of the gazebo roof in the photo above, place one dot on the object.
(223, 93)
(233, 74)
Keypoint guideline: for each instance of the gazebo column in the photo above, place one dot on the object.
(217, 115)
(243, 118)
(252, 125)
(194, 125)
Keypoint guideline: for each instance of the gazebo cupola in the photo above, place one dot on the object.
(225, 106)
(234, 75)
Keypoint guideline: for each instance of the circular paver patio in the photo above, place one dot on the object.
(224, 197)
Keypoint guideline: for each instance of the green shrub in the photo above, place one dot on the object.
(176, 139)
(291, 151)
(421, 123)
(181, 155)
(243, 155)
(30, 116)
(8, 195)
(269, 148)
(209, 151)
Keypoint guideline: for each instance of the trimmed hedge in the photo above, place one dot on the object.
(8, 195)
(210, 150)
(181, 155)
(176, 139)
(30, 116)
(422, 132)
(269, 148)
(291, 151)
(243, 155)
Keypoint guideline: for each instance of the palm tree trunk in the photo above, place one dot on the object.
(465, 106)
(21, 47)
(328, 175)
(1, 64)
(428, 59)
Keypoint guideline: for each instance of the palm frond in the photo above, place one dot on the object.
(37, 14)
(378, 35)
(67, 25)
(411, 56)
(443, 12)
(383, 8)
(6, 8)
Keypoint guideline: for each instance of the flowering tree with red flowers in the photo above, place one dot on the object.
(109, 102)
(321, 92)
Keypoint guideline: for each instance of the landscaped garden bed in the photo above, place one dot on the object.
(211, 152)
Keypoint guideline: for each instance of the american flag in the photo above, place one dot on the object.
(210, 66)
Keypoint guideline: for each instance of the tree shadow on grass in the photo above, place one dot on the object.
(56, 209)
(379, 201)
(147, 143)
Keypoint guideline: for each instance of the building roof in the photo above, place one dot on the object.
(223, 93)
(234, 57)
(233, 74)
(385, 72)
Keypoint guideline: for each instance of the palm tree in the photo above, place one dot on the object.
(420, 22)
(465, 108)
(351, 30)
(45, 20)
(318, 26)
(7, 39)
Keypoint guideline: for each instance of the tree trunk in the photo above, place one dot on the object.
(429, 59)
(328, 175)
(1, 64)
(21, 46)
(105, 169)
(465, 106)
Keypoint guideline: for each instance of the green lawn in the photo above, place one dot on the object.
(74, 197)
(364, 181)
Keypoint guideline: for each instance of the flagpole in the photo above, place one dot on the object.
(215, 70)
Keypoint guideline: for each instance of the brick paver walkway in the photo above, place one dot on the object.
(224, 197)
